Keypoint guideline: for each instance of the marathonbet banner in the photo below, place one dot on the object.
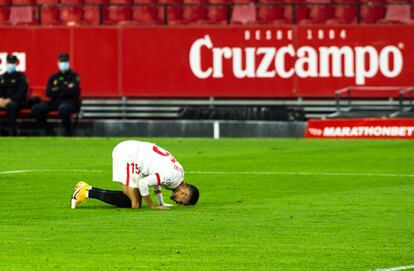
(361, 128)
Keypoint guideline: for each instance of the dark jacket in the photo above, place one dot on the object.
(14, 86)
(63, 86)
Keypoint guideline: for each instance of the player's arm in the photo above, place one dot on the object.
(144, 185)
(133, 195)
(158, 195)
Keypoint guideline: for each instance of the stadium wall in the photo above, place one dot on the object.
(178, 128)
(217, 61)
(371, 128)
(191, 128)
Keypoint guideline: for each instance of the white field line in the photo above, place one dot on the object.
(300, 173)
(18, 171)
(395, 268)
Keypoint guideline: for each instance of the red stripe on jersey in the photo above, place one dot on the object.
(158, 178)
(127, 175)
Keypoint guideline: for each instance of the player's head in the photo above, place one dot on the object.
(185, 194)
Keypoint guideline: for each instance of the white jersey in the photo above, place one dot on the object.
(142, 164)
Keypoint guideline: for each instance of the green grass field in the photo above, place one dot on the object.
(321, 205)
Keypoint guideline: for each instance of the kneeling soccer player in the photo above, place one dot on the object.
(130, 161)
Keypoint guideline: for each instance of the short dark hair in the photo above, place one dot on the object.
(63, 57)
(194, 194)
(12, 59)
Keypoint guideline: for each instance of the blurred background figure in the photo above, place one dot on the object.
(63, 89)
(13, 92)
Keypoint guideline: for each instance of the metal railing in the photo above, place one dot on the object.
(164, 9)
(403, 93)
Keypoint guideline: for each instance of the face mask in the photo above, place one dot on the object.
(63, 66)
(10, 67)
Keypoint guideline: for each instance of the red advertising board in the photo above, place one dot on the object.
(361, 128)
(218, 61)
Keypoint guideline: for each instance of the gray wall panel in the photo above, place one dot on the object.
(189, 128)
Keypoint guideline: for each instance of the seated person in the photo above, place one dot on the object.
(63, 89)
(13, 92)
